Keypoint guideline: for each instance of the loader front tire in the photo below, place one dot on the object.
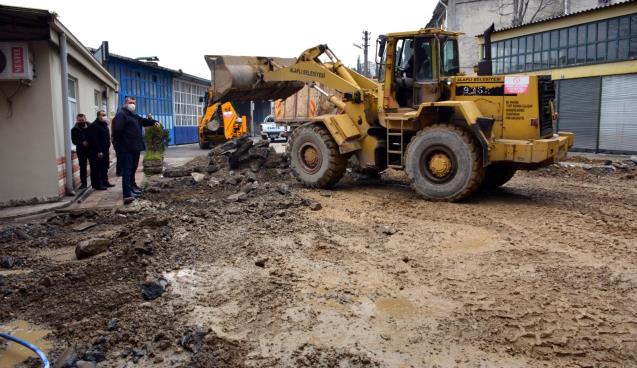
(496, 175)
(315, 158)
(443, 163)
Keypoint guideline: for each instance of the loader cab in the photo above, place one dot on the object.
(412, 67)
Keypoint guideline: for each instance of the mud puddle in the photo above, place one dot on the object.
(11, 353)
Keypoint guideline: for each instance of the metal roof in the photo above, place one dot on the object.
(175, 73)
(24, 24)
(543, 20)
(28, 24)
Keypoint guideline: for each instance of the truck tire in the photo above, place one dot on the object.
(443, 163)
(496, 175)
(314, 157)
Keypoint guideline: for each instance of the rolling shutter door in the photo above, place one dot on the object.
(579, 110)
(618, 123)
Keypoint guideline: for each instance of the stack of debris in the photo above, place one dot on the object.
(242, 153)
(246, 152)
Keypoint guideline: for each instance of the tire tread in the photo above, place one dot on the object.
(337, 163)
(477, 176)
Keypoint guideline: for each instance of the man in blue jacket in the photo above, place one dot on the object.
(127, 135)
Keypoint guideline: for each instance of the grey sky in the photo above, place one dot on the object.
(181, 32)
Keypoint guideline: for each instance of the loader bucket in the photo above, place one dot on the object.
(241, 78)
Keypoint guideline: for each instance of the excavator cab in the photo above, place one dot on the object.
(417, 65)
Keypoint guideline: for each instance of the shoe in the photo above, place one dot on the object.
(109, 185)
(100, 188)
(83, 186)
(129, 200)
(136, 193)
(135, 187)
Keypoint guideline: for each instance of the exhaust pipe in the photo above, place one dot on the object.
(485, 66)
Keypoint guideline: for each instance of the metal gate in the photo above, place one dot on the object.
(579, 105)
(618, 121)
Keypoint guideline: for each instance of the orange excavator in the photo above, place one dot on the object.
(219, 123)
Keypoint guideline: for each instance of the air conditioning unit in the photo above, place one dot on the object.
(15, 62)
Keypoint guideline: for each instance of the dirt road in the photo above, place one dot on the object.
(541, 273)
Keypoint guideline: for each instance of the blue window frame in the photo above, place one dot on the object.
(608, 40)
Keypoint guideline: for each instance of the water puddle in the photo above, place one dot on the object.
(12, 353)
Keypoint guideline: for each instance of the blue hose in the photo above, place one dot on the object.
(35, 349)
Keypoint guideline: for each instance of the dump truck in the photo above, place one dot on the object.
(304, 105)
(451, 134)
(220, 122)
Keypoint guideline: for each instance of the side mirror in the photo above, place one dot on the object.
(382, 41)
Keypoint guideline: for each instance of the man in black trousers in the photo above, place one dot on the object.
(127, 135)
(80, 140)
(99, 140)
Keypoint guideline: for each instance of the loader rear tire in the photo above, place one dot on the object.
(496, 175)
(314, 157)
(443, 163)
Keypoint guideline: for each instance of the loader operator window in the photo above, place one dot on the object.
(405, 62)
(424, 70)
(450, 63)
(404, 71)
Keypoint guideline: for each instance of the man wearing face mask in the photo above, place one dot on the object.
(99, 145)
(80, 140)
(127, 135)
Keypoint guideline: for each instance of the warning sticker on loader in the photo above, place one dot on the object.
(516, 85)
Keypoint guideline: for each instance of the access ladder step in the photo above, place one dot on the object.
(395, 152)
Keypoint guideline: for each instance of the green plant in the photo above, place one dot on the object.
(152, 156)
(156, 138)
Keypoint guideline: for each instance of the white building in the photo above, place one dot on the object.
(47, 77)
(473, 17)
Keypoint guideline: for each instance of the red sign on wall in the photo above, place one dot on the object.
(17, 57)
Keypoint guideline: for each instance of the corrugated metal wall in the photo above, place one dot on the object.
(579, 101)
(618, 123)
(151, 87)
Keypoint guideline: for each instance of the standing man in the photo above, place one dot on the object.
(99, 146)
(127, 134)
(80, 140)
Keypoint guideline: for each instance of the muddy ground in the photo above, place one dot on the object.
(540, 273)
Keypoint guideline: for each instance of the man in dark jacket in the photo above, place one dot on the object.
(127, 135)
(118, 160)
(80, 140)
(99, 141)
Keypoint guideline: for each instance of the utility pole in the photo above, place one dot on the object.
(365, 53)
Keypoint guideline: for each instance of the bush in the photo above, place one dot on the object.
(156, 138)
(153, 156)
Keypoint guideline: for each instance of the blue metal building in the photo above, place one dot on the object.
(170, 95)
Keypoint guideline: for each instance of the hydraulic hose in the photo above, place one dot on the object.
(45, 361)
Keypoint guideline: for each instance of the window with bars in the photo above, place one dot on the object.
(186, 100)
(608, 40)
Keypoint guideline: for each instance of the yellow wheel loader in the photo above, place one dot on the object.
(451, 134)
(219, 123)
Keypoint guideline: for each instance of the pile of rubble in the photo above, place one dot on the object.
(238, 154)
